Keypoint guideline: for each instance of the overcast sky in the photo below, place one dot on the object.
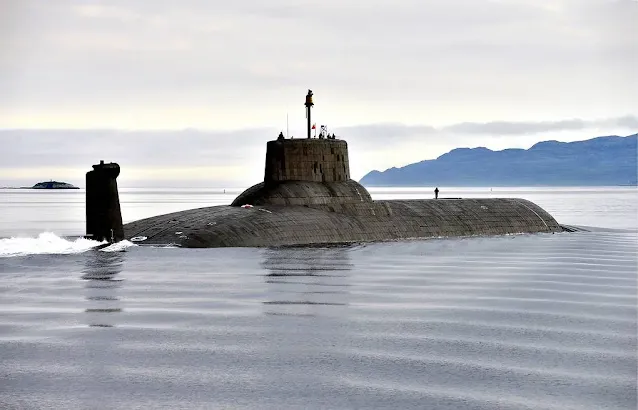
(188, 92)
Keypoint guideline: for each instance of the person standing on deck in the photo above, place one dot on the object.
(436, 193)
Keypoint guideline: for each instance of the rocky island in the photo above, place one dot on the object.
(53, 185)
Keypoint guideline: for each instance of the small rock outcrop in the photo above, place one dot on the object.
(53, 185)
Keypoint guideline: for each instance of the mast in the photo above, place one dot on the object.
(308, 105)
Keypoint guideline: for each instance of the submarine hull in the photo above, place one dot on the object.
(308, 198)
(355, 222)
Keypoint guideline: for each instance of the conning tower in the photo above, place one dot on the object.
(311, 160)
(305, 171)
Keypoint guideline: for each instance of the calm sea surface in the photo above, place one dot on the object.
(511, 322)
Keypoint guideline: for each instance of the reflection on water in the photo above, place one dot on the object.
(537, 322)
(306, 281)
(102, 286)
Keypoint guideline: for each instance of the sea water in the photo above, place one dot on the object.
(511, 322)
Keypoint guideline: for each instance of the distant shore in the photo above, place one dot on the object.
(497, 186)
(46, 185)
(39, 189)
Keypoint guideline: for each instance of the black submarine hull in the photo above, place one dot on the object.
(291, 225)
(308, 198)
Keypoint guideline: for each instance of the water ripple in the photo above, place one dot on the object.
(524, 322)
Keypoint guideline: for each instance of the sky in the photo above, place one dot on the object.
(186, 93)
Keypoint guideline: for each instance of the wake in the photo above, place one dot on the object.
(48, 243)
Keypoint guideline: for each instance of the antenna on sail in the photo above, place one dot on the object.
(309, 105)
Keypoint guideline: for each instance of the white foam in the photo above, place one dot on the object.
(118, 246)
(45, 243)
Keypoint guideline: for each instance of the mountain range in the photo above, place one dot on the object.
(602, 161)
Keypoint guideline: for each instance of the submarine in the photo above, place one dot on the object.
(308, 198)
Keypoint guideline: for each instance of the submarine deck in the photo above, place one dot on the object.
(366, 221)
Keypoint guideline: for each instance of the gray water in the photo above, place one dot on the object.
(512, 322)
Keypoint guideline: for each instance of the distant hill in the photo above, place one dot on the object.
(53, 185)
(599, 161)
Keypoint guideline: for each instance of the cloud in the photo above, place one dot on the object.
(379, 70)
(185, 155)
(75, 148)
(498, 128)
(375, 133)
(628, 122)
(212, 64)
(384, 132)
(239, 154)
(515, 128)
